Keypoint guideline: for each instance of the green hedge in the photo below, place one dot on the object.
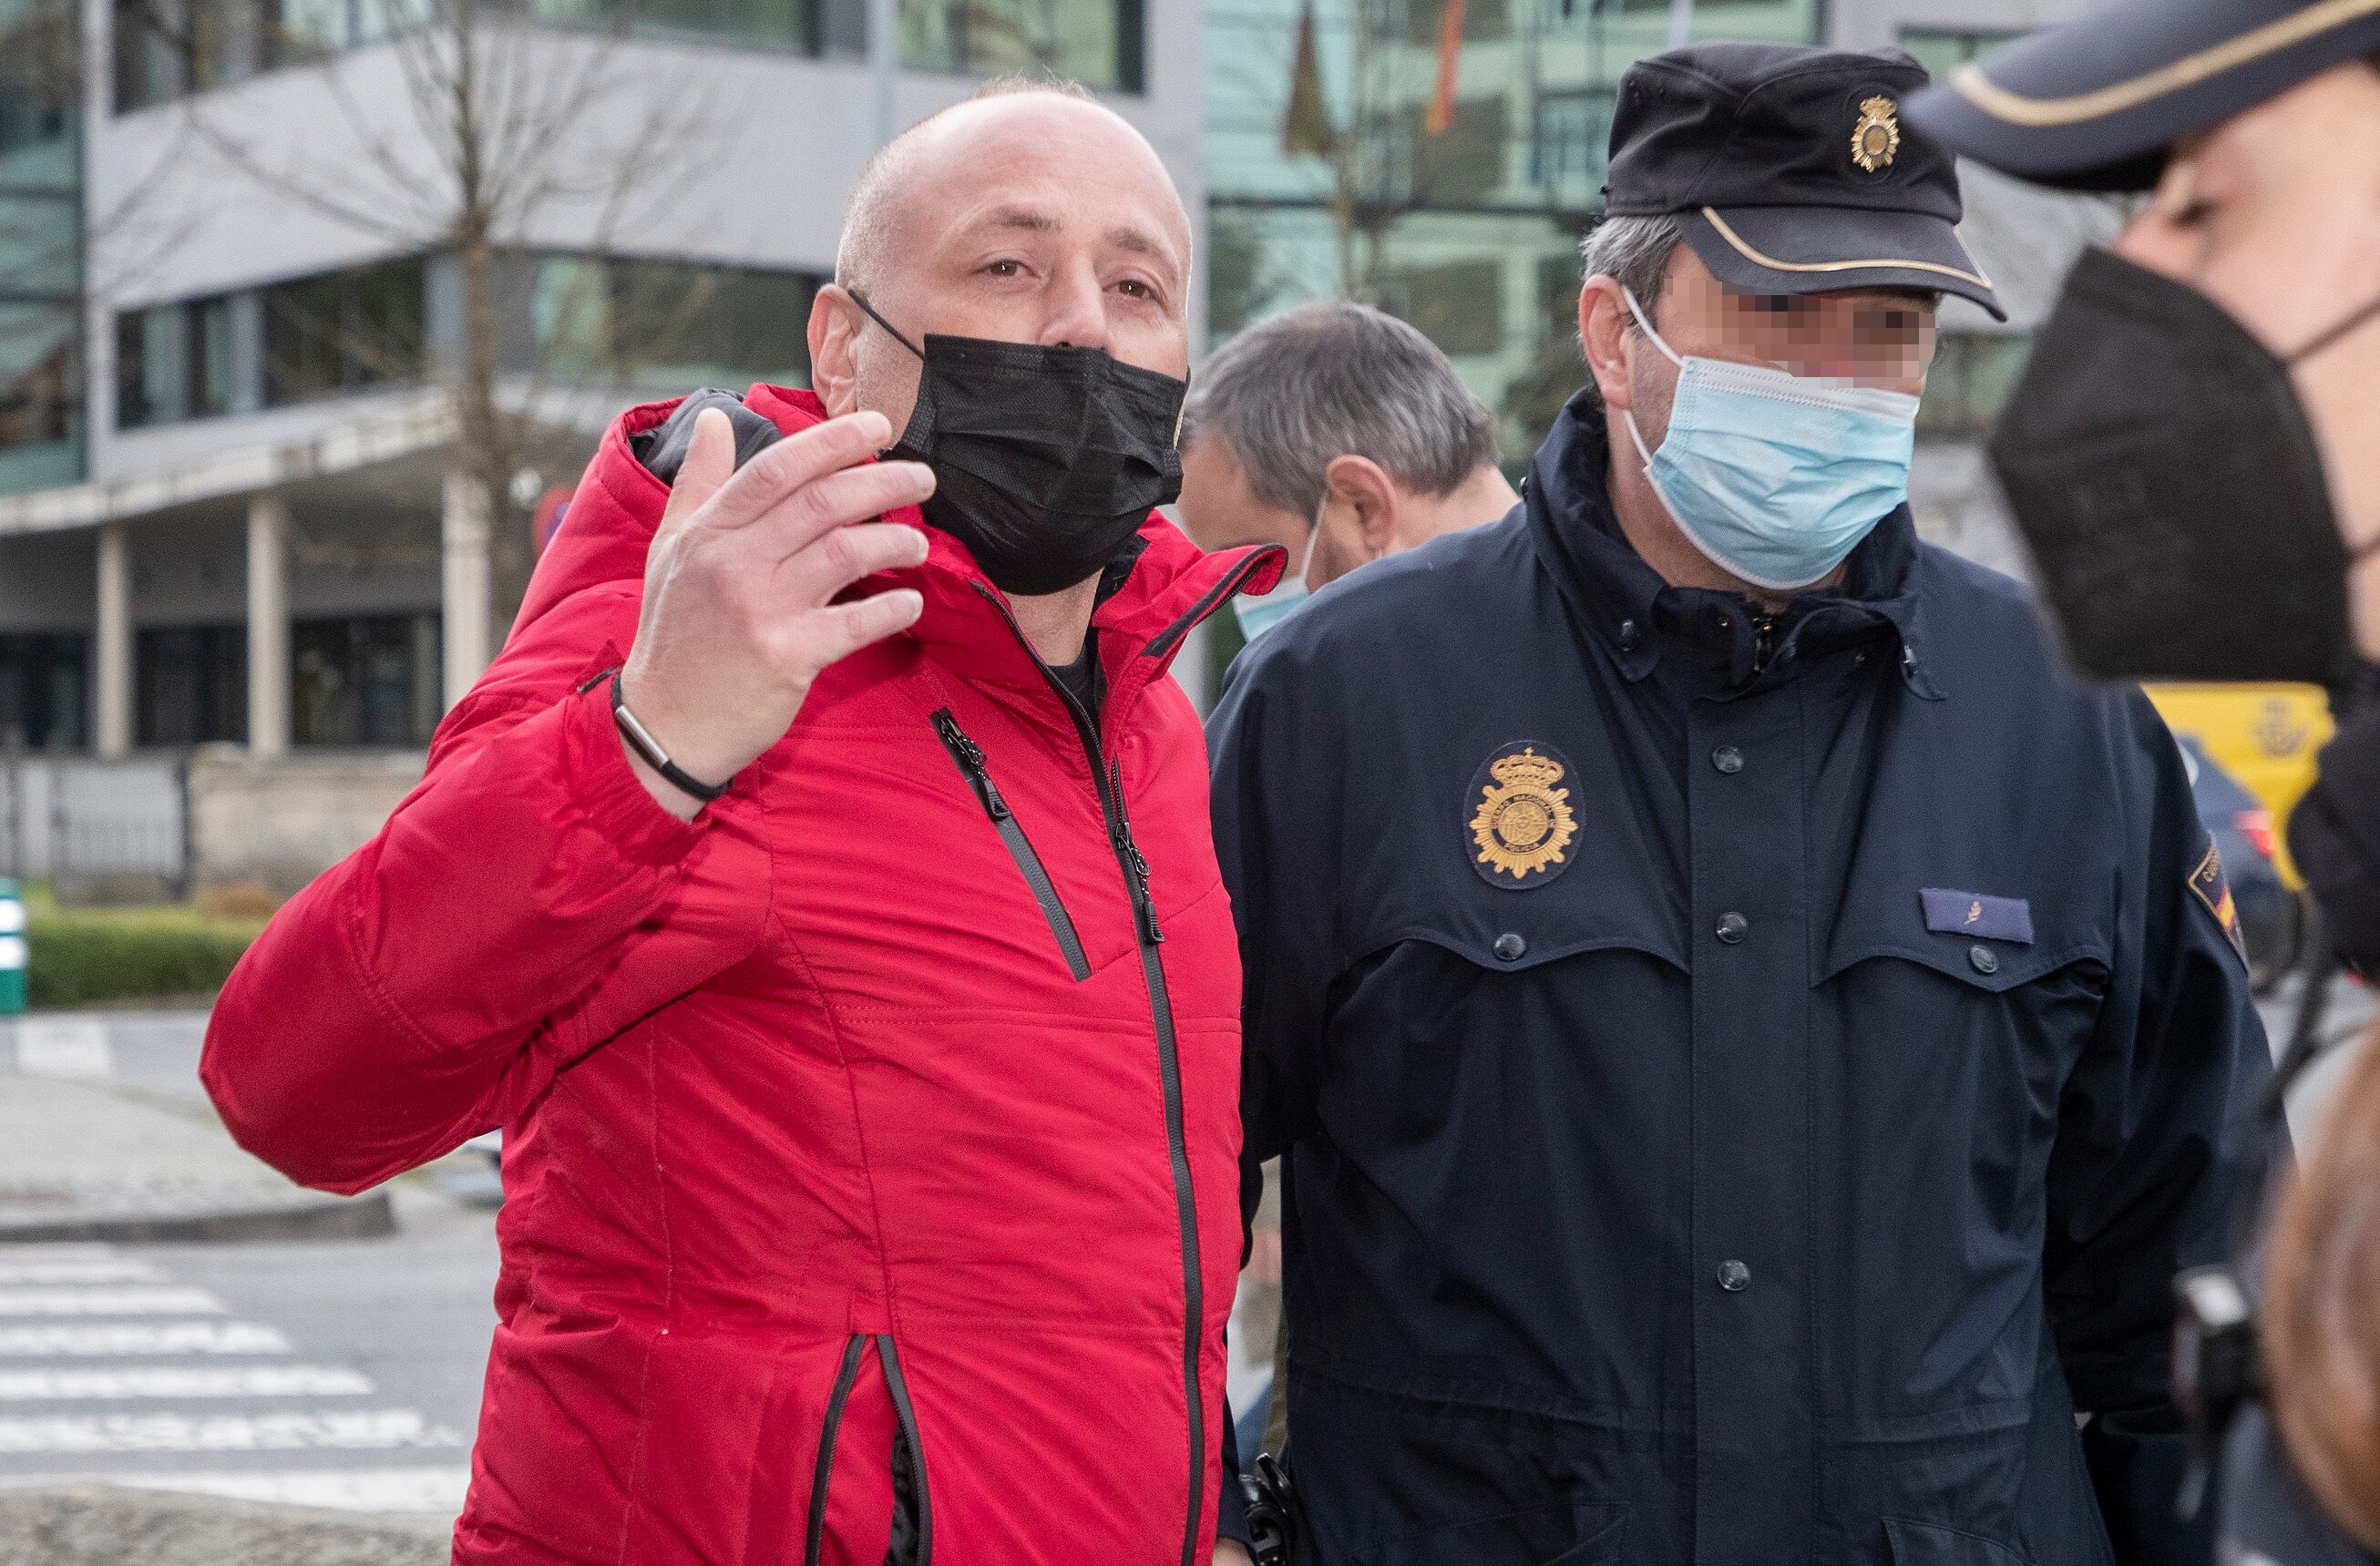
(90, 957)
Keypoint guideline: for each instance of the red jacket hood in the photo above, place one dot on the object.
(1170, 586)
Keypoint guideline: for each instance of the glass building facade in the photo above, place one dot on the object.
(41, 246)
(1441, 168)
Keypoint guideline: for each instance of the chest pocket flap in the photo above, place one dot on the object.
(1994, 939)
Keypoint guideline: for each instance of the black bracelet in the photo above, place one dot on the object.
(644, 745)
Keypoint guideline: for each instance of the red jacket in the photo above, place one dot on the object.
(872, 1142)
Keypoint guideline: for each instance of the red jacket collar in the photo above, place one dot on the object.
(1169, 586)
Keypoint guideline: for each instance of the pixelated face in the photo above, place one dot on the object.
(1879, 337)
(1882, 337)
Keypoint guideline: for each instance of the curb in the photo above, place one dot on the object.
(332, 1218)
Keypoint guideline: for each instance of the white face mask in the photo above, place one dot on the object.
(1775, 476)
(1258, 615)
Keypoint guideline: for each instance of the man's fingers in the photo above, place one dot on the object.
(839, 630)
(845, 555)
(797, 460)
(807, 519)
(709, 461)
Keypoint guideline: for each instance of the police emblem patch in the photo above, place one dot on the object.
(2211, 887)
(1875, 140)
(1521, 823)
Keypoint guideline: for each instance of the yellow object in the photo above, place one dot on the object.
(2265, 736)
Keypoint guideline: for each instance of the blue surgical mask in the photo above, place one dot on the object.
(1258, 615)
(1777, 477)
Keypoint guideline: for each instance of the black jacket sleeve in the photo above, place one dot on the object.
(1275, 838)
(1272, 839)
(2155, 1127)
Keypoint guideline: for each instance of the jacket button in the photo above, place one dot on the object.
(1732, 928)
(1510, 947)
(1734, 1276)
(1630, 636)
(1728, 758)
(1985, 958)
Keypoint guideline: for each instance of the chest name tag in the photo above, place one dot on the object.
(1519, 824)
(1971, 913)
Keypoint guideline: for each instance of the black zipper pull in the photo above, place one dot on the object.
(969, 756)
(1764, 636)
(1144, 905)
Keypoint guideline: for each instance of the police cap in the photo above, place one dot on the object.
(1791, 170)
(2095, 104)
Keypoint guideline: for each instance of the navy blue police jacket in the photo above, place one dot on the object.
(1744, 1083)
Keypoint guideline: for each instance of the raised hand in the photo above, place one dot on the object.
(738, 615)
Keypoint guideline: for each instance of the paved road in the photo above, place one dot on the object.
(343, 1373)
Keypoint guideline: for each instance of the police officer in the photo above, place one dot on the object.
(2199, 414)
(1751, 1040)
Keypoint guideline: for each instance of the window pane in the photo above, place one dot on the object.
(346, 330)
(190, 684)
(931, 31)
(41, 690)
(386, 334)
(40, 369)
(360, 681)
(301, 332)
(1072, 38)
(1459, 305)
(210, 350)
(570, 305)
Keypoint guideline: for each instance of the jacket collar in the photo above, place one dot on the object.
(1624, 603)
(1150, 600)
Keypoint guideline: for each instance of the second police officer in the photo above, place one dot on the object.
(1751, 1038)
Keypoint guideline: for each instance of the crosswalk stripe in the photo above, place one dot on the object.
(182, 1381)
(114, 1339)
(365, 1430)
(109, 1301)
(351, 1489)
(79, 1270)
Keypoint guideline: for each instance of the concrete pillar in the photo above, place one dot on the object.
(111, 666)
(267, 625)
(464, 601)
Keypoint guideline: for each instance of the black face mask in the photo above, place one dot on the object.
(2161, 469)
(1047, 461)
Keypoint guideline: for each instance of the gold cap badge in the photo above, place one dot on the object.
(1875, 140)
(1523, 826)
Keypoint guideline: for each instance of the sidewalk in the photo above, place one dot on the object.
(87, 1155)
(91, 1525)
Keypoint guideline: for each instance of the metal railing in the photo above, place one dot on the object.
(80, 818)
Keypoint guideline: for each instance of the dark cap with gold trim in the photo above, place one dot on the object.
(1790, 169)
(2094, 104)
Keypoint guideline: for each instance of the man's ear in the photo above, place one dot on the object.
(835, 328)
(1362, 490)
(1603, 322)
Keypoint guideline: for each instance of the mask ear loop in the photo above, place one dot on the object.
(1628, 416)
(890, 330)
(2325, 339)
(1313, 536)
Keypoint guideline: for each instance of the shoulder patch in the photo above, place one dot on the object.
(2211, 888)
(1521, 824)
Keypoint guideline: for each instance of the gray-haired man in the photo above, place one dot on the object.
(1341, 433)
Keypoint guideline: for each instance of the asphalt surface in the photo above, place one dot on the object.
(340, 1373)
(334, 1373)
